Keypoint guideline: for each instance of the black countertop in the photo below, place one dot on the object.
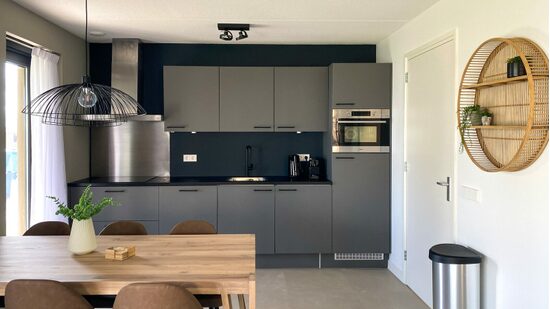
(188, 181)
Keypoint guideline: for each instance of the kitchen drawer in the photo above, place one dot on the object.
(182, 203)
(134, 203)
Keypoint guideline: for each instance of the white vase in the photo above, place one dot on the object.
(82, 239)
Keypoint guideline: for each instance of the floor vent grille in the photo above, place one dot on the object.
(358, 256)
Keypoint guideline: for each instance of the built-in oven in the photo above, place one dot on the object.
(360, 130)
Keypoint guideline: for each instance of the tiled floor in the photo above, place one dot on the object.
(333, 288)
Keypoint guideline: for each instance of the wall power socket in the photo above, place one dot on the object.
(189, 158)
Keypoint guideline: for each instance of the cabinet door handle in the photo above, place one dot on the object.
(345, 104)
(344, 158)
(263, 190)
(262, 127)
(176, 127)
(189, 190)
(288, 190)
(286, 127)
(115, 191)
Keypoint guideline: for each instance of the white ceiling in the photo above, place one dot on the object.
(272, 21)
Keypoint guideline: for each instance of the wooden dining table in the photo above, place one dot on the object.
(204, 264)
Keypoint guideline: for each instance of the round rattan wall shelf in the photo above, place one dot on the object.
(519, 130)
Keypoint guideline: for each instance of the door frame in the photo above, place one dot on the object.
(432, 44)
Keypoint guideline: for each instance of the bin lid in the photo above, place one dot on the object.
(454, 254)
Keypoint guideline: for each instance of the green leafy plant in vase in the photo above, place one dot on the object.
(486, 117)
(470, 116)
(82, 239)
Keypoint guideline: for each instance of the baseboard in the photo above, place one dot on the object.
(396, 271)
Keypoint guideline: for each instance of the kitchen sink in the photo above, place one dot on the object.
(248, 179)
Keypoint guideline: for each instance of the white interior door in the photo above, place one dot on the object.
(430, 141)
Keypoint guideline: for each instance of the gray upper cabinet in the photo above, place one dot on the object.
(303, 219)
(301, 99)
(191, 99)
(361, 203)
(360, 85)
(246, 99)
(184, 203)
(134, 203)
(248, 209)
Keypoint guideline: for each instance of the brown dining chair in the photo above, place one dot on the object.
(155, 295)
(42, 294)
(124, 228)
(193, 227)
(49, 228)
(199, 227)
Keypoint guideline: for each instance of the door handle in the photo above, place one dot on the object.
(446, 184)
(188, 190)
(345, 104)
(115, 191)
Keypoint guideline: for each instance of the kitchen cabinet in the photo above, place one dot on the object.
(152, 227)
(191, 99)
(361, 203)
(301, 99)
(303, 215)
(134, 202)
(248, 209)
(360, 85)
(182, 203)
(246, 99)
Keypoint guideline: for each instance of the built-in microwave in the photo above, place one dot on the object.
(360, 130)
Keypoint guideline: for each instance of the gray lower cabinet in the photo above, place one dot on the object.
(246, 99)
(191, 98)
(152, 227)
(301, 99)
(361, 85)
(248, 209)
(361, 203)
(184, 203)
(303, 216)
(134, 203)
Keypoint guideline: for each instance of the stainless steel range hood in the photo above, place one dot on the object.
(126, 69)
(139, 147)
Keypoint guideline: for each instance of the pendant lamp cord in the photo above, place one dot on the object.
(86, 39)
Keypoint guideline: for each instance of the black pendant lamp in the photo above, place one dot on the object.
(84, 104)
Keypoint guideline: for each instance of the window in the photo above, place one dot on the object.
(17, 137)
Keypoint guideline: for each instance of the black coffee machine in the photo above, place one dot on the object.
(303, 168)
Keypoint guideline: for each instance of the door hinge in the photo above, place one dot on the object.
(406, 166)
(406, 77)
(405, 255)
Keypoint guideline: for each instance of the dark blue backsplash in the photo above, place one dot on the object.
(223, 154)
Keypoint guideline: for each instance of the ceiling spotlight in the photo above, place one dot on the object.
(227, 28)
(242, 35)
(226, 35)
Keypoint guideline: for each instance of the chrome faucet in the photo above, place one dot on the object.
(249, 165)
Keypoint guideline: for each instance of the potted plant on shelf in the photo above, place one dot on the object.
(82, 239)
(471, 116)
(486, 117)
(515, 67)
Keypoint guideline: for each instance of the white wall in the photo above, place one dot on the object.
(23, 23)
(510, 225)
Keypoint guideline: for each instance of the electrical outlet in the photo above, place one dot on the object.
(189, 158)
(470, 193)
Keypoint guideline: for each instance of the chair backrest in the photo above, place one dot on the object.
(155, 295)
(193, 227)
(49, 228)
(42, 294)
(124, 228)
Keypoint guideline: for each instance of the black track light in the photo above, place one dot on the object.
(242, 35)
(226, 35)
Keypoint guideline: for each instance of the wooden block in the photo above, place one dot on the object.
(120, 253)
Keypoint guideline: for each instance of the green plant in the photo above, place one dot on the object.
(516, 59)
(85, 209)
(485, 112)
(465, 121)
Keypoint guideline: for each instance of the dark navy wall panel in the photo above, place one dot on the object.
(223, 154)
